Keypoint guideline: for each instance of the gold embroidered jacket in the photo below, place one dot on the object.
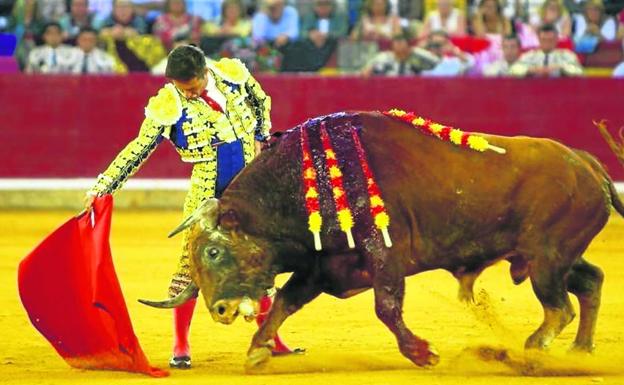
(194, 128)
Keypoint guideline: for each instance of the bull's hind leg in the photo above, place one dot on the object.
(389, 287)
(549, 285)
(585, 281)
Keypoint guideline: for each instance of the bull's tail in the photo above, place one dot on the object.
(597, 166)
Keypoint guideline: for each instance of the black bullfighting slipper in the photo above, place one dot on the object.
(182, 362)
(288, 352)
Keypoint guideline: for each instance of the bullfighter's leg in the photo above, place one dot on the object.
(585, 281)
(182, 315)
(298, 291)
(202, 186)
(550, 288)
(389, 288)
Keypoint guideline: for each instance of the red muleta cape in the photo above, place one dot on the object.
(70, 290)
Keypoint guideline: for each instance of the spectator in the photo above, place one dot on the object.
(53, 57)
(277, 23)
(402, 60)
(233, 21)
(489, 23)
(511, 53)
(452, 60)
(489, 20)
(377, 22)
(547, 60)
(445, 18)
(125, 39)
(177, 22)
(553, 12)
(79, 17)
(44, 11)
(320, 30)
(325, 23)
(90, 59)
(207, 10)
(593, 26)
(123, 22)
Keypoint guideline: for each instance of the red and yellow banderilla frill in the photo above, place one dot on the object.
(315, 221)
(377, 206)
(343, 212)
(446, 133)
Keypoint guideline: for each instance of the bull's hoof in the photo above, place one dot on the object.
(422, 354)
(257, 358)
(582, 348)
(535, 342)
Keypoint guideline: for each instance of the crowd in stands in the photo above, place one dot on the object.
(522, 38)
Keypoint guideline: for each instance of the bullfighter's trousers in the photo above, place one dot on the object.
(208, 180)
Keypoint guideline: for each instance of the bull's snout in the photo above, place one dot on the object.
(225, 311)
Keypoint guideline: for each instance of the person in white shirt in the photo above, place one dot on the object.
(511, 53)
(52, 57)
(547, 60)
(402, 60)
(90, 59)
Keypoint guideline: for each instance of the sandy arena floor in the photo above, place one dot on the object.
(345, 342)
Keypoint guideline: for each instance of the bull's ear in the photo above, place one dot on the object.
(205, 214)
(229, 220)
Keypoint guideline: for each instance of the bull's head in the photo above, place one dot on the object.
(231, 268)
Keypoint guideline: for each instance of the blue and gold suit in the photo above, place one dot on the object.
(218, 144)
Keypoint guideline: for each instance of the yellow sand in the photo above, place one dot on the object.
(345, 342)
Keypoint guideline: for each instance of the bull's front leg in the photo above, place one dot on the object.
(298, 291)
(389, 287)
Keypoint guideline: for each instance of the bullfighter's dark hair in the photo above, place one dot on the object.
(185, 62)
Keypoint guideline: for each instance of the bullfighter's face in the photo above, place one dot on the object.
(231, 268)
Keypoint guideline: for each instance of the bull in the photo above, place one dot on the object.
(538, 206)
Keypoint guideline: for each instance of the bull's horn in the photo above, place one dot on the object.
(207, 211)
(189, 292)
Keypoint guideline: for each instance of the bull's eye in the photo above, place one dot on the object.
(213, 252)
